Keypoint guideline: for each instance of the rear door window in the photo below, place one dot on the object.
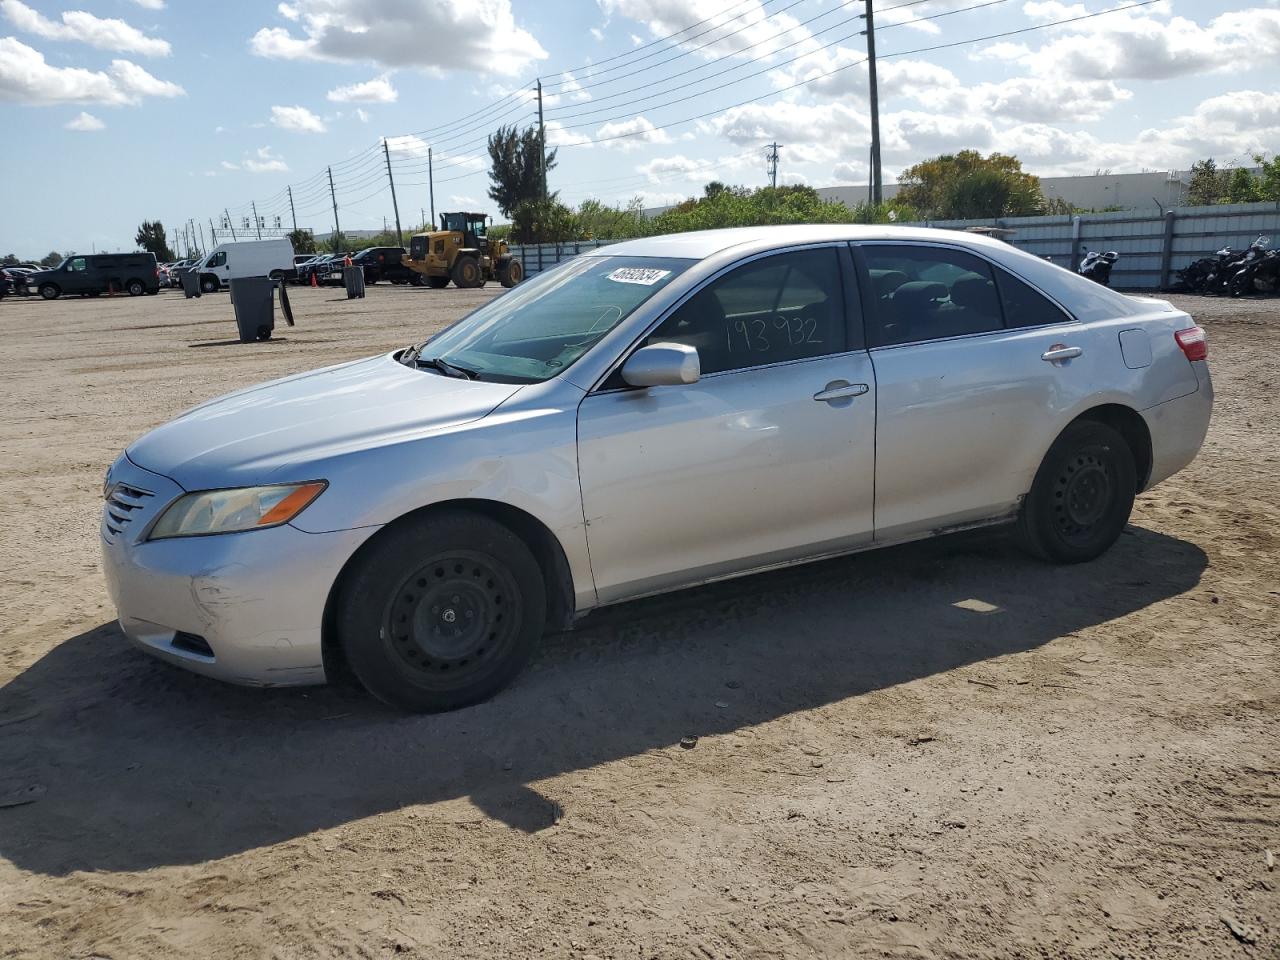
(1024, 306)
(922, 293)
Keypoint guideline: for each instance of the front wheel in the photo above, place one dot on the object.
(467, 274)
(209, 284)
(440, 612)
(50, 291)
(1082, 495)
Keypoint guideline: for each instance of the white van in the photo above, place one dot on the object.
(245, 258)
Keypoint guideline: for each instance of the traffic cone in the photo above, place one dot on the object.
(313, 280)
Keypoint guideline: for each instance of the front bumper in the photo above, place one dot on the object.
(256, 599)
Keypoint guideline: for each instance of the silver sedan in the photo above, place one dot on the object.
(657, 414)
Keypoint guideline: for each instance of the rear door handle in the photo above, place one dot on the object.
(1059, 352)
(840, 390)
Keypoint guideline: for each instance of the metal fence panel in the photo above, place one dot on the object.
(1150, 246)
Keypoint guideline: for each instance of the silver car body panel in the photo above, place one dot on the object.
(645, 490)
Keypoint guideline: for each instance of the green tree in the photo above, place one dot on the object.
(151, 237)
(544, 221)
(303, 241)
(1243, 186)
(9, 259)
(967, 185)
(1269, 177)
(598, 221)
(514, 168)
(52, 259)
(1208, 184)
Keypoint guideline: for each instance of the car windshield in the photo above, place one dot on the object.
(543, 325)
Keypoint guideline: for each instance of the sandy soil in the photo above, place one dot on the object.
(1087, 770)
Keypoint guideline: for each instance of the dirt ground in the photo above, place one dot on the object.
(1083, 764)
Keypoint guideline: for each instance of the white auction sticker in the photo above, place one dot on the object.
(647, 276)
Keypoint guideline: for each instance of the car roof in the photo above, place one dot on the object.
(700, 244)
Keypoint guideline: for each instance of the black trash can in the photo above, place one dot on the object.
(190, 283)
(254, 301)
(353, 280)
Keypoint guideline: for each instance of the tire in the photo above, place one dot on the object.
(135, 288)
(1082, 495)
(50, 291)
(417, 280)
(437, 283)
(510, 272)
(422, 576)
(276, 275)
(263, 332)
(209, 284)
(467, 274)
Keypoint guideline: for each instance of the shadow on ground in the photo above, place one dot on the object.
(146, 765)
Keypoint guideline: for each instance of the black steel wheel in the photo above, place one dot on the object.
(1082, 495)
(135, 288)
(441, 611)
(50, 291)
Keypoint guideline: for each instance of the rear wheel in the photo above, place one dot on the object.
(50, 291)
(135, 288)
(466, 273)
(510, 272)
(1082, 495)
(441, 611)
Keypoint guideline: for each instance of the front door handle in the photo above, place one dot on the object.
(1060, 352)
(840, 390)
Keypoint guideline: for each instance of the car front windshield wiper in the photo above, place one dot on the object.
(411, 357)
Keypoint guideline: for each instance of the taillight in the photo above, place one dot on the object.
(1194, 343)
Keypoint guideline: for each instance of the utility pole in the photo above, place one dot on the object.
(337, 227)
(772, 157)
(192, 224)
(386, 152)
(257, 224)
(542, 144)
(230, 223)
(293, 214)
(877, 192)
(201, 226)
(213, 234)
(431, 187)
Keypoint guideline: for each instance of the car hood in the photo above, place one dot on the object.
(251, 436)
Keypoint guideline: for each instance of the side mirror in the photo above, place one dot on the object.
(662, 365)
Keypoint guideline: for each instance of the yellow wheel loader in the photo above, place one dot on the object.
(460, 251)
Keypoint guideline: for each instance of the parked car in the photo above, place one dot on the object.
(244, 258)
(178, 269)
(7, 287)
(713, 403)
(94, 274)
(318, 265)
(385, 263)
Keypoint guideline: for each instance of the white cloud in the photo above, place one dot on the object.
(228, 165)
(77, 25)
(558, 136)
(408, 145)
(150, 4)
(85, 122)
(1143, 45)
(265, 160)
(629, 134)
(433, 36)
(736, 29)
(597, 33)
(377, 90)
(25, 77)
(297, 119)
(363, 115)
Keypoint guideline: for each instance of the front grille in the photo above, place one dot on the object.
(124, 505)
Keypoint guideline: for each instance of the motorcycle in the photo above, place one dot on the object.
(1097, 266)
(1221, 273)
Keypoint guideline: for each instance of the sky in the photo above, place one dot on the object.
(116, 111)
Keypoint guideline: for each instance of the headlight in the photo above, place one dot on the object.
(229, 511)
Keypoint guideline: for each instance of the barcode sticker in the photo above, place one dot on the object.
(646, 276)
